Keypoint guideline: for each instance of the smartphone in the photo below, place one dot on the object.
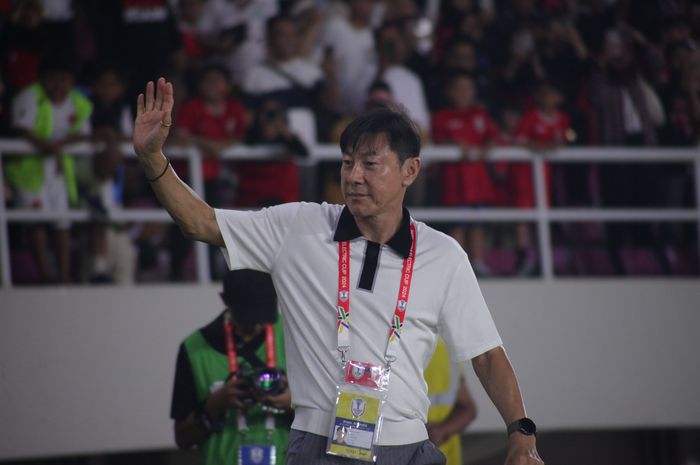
(239, 33)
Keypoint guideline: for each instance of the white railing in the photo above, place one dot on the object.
(542, 215)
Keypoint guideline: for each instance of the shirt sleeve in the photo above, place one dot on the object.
(126, 122)
(240, 130)
(438, 125)
(85, 129)
(186, 117)
(524, 128)
(253, 238)
(251, 81)
(565, 123)
(494, 134)
(184, 391)
(24, 110)
(466, 324)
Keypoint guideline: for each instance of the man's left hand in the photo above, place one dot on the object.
(522, 450)
(436, 433)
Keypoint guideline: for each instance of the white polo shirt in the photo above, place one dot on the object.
(296, 243)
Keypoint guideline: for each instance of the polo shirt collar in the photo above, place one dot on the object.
(401, 241)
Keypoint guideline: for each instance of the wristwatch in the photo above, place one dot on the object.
(524, 426)
(212, 426)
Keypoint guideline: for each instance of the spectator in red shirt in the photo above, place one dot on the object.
(213, 121)
(263, 184)
(543, 128)
(23, 43)
(189, 14)
(472, 181)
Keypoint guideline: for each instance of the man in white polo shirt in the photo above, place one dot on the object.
(362, 286)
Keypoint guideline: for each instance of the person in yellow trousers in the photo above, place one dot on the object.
(452, 408)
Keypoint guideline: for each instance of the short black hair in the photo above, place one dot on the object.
(400, 131)
(57, 63)
(459, 40)
(101, 69)
(675, 46)
(280, 18)
(458, 74)
(213, 68)
(251, 297)
(378, 85)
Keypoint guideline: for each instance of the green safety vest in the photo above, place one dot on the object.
(28, 172)
(209, 366)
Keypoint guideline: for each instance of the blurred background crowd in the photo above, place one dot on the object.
(476, 74)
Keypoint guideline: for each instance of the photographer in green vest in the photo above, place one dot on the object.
(231, 397)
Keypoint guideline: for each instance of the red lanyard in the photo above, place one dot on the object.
(231, 346)
(343, 307)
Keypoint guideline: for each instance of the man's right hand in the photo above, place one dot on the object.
(153, 119)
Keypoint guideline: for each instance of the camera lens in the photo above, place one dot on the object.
(269, 381)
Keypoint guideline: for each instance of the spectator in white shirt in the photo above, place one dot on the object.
(406, 86)
(286, 76)
(350, 41)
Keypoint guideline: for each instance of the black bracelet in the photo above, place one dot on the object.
(167, 165)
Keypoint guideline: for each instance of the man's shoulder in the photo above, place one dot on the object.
(437, 242)
(26, 96)
(194, 103)
(255, 74)
(319, 211)
(448, 112)
(292, 211)
(338, 30)
(401, 72)
(304, 70)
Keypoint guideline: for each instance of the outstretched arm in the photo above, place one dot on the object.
(193, 215)
(498, 378)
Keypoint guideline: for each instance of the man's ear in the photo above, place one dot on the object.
(410, 170)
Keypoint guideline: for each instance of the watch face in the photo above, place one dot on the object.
(527, 426)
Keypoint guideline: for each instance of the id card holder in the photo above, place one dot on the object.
(254, 454)
(256, 449)
(357, 419)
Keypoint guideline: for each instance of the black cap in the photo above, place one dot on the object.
(251, 297)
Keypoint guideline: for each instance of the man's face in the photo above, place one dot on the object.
(57, 85)
(361, 9)
(461, 93)
(373, 180)
(109, 88)
(214, 87)
(284, 40)
(462, 56)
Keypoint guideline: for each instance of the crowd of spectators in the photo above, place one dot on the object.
(477, 74)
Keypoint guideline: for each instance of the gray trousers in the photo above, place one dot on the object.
(310, 449)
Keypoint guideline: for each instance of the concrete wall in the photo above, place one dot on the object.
(87, 370)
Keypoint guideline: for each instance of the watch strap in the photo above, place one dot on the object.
(524, 425)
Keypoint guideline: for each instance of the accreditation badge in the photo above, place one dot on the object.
(358, 413)
(249, 454)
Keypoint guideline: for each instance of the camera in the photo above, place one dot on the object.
(265, 381)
